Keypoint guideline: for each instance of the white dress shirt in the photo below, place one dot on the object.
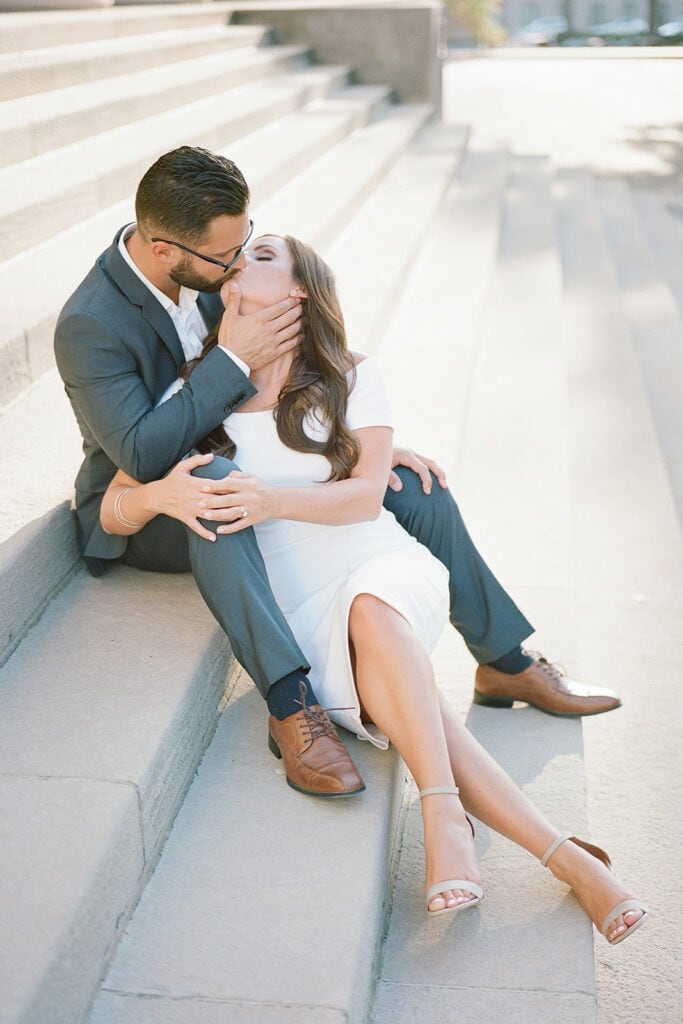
(185, 314)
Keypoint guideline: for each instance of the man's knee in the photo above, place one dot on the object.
(217, 469)
(411, 504)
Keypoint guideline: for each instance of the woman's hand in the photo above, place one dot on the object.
(240, 500)
(419, 464)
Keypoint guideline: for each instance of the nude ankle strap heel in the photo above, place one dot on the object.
(434, 790)
(451, 883)
(621, 908)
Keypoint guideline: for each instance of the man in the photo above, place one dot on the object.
(138, 316)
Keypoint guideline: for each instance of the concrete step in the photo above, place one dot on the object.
(661, 216)
(103, 719)
(32, 30)
(35, 124)
(655, 322)
(46, 194)
(629, 588)
(470, 214)
(475, 366)
(317, 203)
(193, 949)
(38, 550)
(301, 138)
(36, 71)
(519, 344)
(399, 217)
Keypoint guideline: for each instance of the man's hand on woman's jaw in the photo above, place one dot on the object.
(259, 338)
(419, 464)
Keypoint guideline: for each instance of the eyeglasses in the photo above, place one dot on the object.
(212, 259)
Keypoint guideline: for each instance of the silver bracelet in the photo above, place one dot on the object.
(119, 514)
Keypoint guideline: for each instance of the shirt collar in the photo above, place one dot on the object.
(187, 298)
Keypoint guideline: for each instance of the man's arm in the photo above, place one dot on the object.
(103, 380)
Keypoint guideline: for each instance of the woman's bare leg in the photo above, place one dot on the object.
(491, 795)
(398, 693)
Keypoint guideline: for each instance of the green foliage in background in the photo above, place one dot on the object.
(479, 17)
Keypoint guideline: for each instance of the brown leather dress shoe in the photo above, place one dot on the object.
(543, 685)
(316, 760)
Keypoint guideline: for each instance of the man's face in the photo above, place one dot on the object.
(221, 241)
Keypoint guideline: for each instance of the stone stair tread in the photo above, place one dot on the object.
(400, 214)
(302, 136)
(71, 856)
(31, 124)
(34, 71)
(104, 717)
(469, 214)
(45, 28)
(77, 180)
(316, 204)
(654, 319)
(519, 343)
(661, 216)
(73, 52)
(240, 834)
(620, 485)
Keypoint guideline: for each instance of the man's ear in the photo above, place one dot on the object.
(163, 252)
(298, 293)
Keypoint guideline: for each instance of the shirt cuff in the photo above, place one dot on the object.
(236, 359)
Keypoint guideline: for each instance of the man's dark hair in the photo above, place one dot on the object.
(185, 190)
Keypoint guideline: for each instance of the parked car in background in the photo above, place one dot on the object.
(627, 31)
(670, 34)
(540, 32)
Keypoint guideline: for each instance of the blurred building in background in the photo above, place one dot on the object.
(614, 18)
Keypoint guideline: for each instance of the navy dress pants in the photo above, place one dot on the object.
(233, 581)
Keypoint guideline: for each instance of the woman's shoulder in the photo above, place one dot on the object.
(365, 369)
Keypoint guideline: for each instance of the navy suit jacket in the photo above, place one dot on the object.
(117, 351)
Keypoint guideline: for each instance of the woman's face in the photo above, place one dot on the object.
(267, 277)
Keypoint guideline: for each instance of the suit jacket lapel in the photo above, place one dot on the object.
(116, 268)
(211, 307)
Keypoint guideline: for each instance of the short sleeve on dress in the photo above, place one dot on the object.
(368, 404)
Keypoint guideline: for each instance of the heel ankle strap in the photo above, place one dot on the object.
(439, 789)
(553, 846)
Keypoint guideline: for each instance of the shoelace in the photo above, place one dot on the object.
(551, 668)
(316, 723)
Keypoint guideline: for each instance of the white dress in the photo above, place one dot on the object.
(316, 571)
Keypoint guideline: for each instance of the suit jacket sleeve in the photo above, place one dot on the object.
(115, 405)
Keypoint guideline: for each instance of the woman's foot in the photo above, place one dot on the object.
(449, 851)
(599, 891)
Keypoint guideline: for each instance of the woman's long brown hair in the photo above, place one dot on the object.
(317, 384)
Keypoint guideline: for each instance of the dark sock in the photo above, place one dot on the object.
(513, 662)
(284, 696)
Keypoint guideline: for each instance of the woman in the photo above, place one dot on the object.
(364, 599)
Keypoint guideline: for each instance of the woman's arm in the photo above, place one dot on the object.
(128, 505)
(354, 500)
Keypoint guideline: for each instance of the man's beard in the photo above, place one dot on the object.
(184, 274)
